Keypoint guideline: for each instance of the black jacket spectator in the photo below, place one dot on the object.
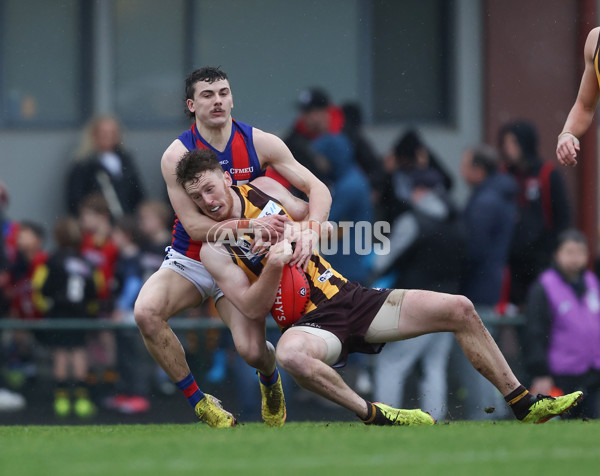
(489, 219)
(106, 168)
(542, 206)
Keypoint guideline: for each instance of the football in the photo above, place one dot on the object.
(292, 297)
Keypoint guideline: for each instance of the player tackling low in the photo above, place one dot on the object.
(581, 115)
(341, 316)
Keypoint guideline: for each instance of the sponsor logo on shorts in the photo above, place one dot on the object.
(311, 324)
(177, 264)
(325, 276)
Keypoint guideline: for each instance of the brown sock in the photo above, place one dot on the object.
(519, 401)
(375, 416)
(371, 411)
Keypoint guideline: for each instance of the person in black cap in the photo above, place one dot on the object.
(317, 115)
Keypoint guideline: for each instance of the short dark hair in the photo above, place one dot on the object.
(195, 162)
(406, 146)
(67, 233)
(96, 203)
(486, 157)
(571, 234)
(128, 225)
(37, 229)
(210, 74)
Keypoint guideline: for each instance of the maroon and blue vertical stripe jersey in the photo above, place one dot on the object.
(239, 159)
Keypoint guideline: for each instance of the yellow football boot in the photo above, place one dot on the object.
(210, 411)
(273, 403)
(400, 417)
(546, 407)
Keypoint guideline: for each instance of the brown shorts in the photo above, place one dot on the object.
(348, 315)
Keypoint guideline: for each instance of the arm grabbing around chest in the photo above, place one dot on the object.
(254, 300)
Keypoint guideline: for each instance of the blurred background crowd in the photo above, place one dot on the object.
(485, 213)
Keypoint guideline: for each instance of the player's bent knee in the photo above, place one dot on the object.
(147, 317)
(292, 358)
(254, 354)
(464, 310)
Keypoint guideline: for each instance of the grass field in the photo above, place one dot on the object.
(473, 448)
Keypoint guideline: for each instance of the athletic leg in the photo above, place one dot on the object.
(306, 357)
(249, 337)
(250, 340)
(423, 312)
(303, 356)
(165, 294)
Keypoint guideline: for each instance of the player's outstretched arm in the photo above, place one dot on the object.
(253, 300)
(581, 114)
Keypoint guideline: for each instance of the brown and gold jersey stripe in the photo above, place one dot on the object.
(596, 63)
(324, 281)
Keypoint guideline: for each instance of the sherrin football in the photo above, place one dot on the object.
(292, 297)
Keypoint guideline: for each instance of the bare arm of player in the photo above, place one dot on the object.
(253, 300)
(582, 112)
(194, 222)
(273, 151)
(296, 208)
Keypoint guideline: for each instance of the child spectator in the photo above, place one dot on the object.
(563, 326)
(67, 284)
(98, 247)
(8, 250)
(24, 302)
(100, 251)
(133, 385)
(30, 255)
(155, 218)
(9, 400)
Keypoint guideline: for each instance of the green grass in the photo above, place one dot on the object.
(475, 448)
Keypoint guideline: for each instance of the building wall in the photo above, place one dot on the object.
(534, 61)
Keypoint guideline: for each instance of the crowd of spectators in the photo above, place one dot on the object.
(108, 241)
(113, 237)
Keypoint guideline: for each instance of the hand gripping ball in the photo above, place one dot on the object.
(292, 297)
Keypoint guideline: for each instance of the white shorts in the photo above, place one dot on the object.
(194, 271)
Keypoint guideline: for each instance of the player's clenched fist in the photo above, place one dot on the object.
(280, 253)
(567, 148)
